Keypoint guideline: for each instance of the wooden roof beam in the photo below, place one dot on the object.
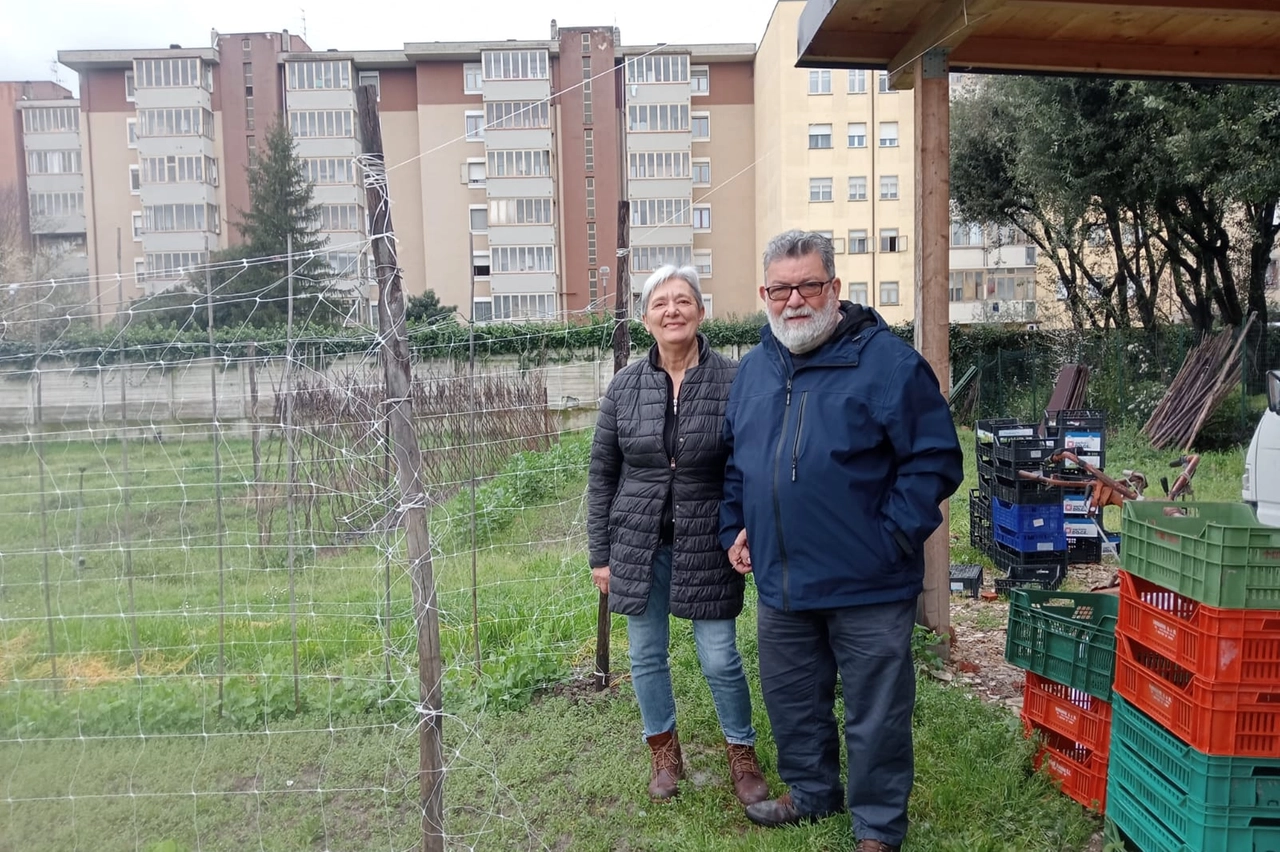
(1136, 60)
(1234, 8)
(955, 21)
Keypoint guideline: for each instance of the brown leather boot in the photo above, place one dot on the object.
(668, 765)
(875, 846)
(744, 770)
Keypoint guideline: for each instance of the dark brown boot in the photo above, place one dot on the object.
(875, 846)
(744, 770)
(668, 765)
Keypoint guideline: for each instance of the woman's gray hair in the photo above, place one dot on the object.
(662, 275)
(798, 243)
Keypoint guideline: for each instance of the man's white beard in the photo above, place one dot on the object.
(809, 335)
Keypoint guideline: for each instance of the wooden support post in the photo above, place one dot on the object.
(621, 353)
(408, 455)
(932, 298)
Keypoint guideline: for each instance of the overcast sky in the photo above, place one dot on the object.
(31, 36)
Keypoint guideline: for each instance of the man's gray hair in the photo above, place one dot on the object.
(662, 275)
(796, 243)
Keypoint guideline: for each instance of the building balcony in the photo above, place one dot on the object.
(994, 311)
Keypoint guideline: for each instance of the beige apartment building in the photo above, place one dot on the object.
(507, 160)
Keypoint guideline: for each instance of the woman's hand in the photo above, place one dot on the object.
(600, 579)
(740, 554)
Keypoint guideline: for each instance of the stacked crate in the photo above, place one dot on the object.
(1066, 643)
(1195, 753)
(1023, 519)
(1084, 432)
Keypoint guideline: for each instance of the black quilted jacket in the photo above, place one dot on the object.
(628, 481)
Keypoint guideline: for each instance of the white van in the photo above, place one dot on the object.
(1261, 480)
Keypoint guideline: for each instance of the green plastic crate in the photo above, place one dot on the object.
(1159, 818)
(1068, 637)
(1241, 783)
(1218, 554)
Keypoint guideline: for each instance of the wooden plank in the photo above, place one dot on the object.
(1231, 8)
(933, 298)
(1061, 57)
(947, 27)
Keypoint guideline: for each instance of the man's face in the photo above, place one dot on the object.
(809, 309)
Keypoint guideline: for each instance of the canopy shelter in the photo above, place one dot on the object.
(919, 42)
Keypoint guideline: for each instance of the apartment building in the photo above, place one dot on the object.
(506, 162)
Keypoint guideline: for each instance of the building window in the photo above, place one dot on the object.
(175, 121)
(858, 82)
(699, 80)
(589, 149)
(327, 170)
(955, 290)
(591, 198)
(515, 64)
(888, 292)
(587, 114)
(170, 265)
(481, 310)
(858, 292)
(656, 212)
(341, 217)
(884, 83)
(888, 187)
(658, 68)
(252, 143)
(858, 188)
(135, 180)
(51, 119)
(137, 226)
(858, 243)
(592, 245)
(593, 284)
(888, 134)
(319, 74)
(586, 42)
(371, 78)
(819, 135)
(891, 242)
(516, 115)
(53, 162)
(820, 81)
(475, 173)
(644, 165)
(56, 204)
(475, 125)
(170, 73)
(820, 189)
(538, 306)
(472, 78)
(180, 217)
(857, 134)
(323, 123)
(480, 267)
(702, 173)
(702, 263)
(649, 258)
(523, 258)
(701, 126)
(130, 90)
(139, 269)
(702, 217)
(519, 163)
(246, 45)
(519, 211)
(966, 234)
(651, 118)
(479, 218)
(131, 131)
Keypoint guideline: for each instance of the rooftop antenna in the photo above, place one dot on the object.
(55, 70)
(304, 23)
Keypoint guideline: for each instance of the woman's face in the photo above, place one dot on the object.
(673, 313)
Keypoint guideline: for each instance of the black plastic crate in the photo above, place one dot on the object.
(981, 533)
(1013, 454)
(1089, 419)
(1038, 564)
(1006, 585)
(1015, 489)
(987, 431)
(1082, 551)
(966, 580)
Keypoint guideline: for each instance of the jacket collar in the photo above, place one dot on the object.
(704, 348)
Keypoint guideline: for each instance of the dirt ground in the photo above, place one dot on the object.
(977, 648)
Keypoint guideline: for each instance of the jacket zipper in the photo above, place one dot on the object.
(795, 450)
(777, 504)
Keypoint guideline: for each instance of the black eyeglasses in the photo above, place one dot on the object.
(782, 292)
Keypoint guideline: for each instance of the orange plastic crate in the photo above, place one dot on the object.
(1077, 715)
(1080, 772)
(1239, 646)
(1229, 720)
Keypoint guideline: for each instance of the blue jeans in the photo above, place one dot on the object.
(716, 641)
(870, 648)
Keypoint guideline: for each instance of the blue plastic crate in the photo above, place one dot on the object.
(1050, 540)
(1026, 518)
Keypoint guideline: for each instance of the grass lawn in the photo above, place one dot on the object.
(100, 760)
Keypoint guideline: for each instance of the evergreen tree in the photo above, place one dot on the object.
(427, 308)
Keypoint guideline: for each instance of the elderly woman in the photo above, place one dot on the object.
(653, 497)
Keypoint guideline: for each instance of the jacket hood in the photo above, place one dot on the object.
(855, 319)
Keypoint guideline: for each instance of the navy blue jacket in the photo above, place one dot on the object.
(837, 466)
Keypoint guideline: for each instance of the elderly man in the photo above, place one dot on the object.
(841, 450)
